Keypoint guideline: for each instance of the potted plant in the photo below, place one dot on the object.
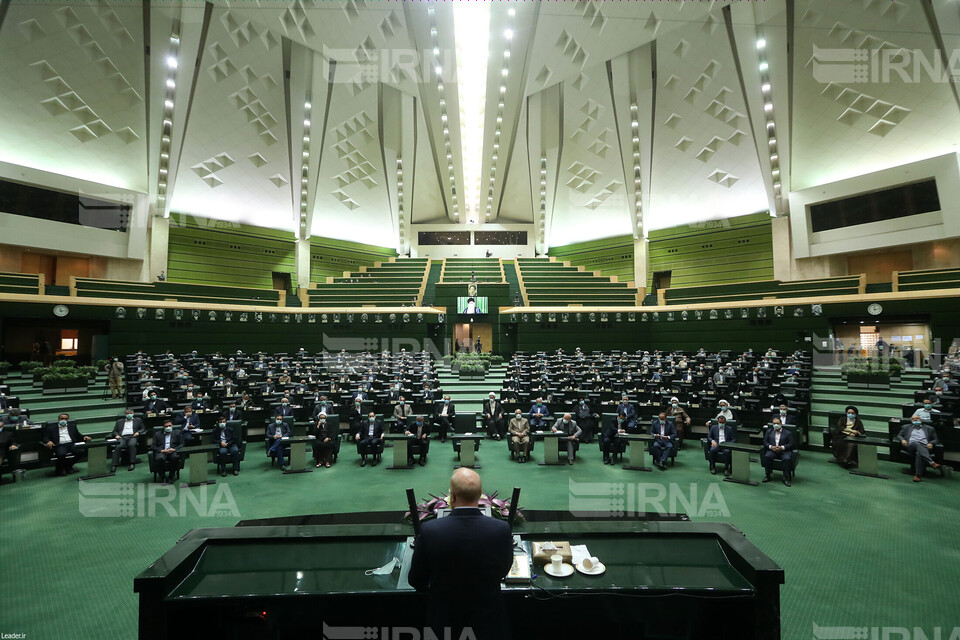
(27, 366)
(428, 509)
(471, 371)
(65, 380)
(4, 368)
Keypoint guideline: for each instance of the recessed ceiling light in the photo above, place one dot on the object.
(761, 44)
(508, 34)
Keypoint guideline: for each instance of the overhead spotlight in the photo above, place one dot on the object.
(306, 123)
(634, 124)
(504, 73)
(768, 107)
(443, 117)
(763, 66)
(175, 39)
(171, 62)
(171, 84)
(774, 157)
(438, 69)
(511, 12)
(508, 34)
(506, 53)
(761, 44)
(765, 87)
(168, 104)
(307, 105)
(773, 142)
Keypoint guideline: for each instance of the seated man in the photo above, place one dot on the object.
(126, 431)
(778, 445)
(155, 405)
(571, 434)
(368, 438)
(538, 415)
(943, 384)
(322, 406)
(63, 436)
(720, 433)
(664, 436)
(926, 412)
(276, 432)
(443, 417)
(284, 409)
(202, 403)
(493, 416)
(8, 442)
(233, 413)
(626, 408)
(402, 412)
(420, 446)
(190, 423)
(845, 452)
(323, 445)
(229, 446)
(610, 437)
(586, 419)
(519, 430)
(166, 451)
(918, 440)
(784, 415)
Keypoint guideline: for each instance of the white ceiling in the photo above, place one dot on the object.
(81, 96)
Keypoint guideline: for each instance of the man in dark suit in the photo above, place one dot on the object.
(459, 561)
(323, 406)
(570, 440)
(664, 437)
(190, 422)
(443, 417)
(126, 431)
(420, 429)
(784, 415)
(166, 451)
(493, 416)
(368, 438)
(229, 446)
(778, 445)
(586, 419)
(626, 408)
(610, 437)
(62, 436)
(919, 439)
(718, 434)
(8, 442)
(201, 403)
(233, 413)
(276, 432)
(284, 409)
(155, 404)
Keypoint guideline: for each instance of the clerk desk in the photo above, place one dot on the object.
(663, 579)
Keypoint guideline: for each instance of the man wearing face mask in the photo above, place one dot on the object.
(680, 418)
(402, 412)
(849, 425)
(778, 445)
(664, 434)
(276, 432)
(610, 437)
(323, 445)
(918, 440)
(718, 434)
(284, 409)
(62, 436)
(493, 416)
(944, 384)
(369, 438)
(233, 413)
(626, 408)
(571, 435)
(587, 419)
(421, 431)
(538, 415)
(155, 405)
(519, 430)
(166, 451)
(443, 417)
(224, 436)
(126, 431)
(723, 409)
(784, 415)
(927, 411)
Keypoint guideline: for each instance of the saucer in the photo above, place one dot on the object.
(596, 571)
(565, 570)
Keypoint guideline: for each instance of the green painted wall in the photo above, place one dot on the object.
(609, 256)
(227, 253)
(329, 257)
(718, 251)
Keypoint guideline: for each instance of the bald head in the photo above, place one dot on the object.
(465, 488)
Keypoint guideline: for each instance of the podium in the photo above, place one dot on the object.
(197, 464)
(96, 458)
(740, 461)
(468, 454)
(636, 450)
(867, 455)
(298, 454)
(401, 448)
(551, 446)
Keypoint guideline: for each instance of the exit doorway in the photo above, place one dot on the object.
(465, 336)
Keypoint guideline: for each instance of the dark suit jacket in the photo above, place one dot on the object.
(236, 414)
(155, 406)
(272, 430)
(786, 439)
(282, 410)
(728, 433)
(930, 431)
(159, 439)
(194, 421)
(669, 428)
(451, 409)
(460, 560)
(227, 436)
(52, 433)
(118, 427)
(7, 439)
(629, 410)
(365, 428)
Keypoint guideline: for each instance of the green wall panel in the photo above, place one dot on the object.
(217, 252)
(732, 250)
(609, 256)
(329, 257)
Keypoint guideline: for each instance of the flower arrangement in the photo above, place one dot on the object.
(428, 509)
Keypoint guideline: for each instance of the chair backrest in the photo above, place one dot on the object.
(465, 422)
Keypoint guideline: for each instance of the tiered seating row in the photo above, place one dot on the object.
(926, 279)
(472, 269)
(547, 282)
(393, 283)
(28, 283)
(179, 291)
(838, 286)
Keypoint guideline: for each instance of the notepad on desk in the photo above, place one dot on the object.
(520, 571)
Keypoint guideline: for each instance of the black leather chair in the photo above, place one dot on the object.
(705, 442)
(795, 458)
(618, 446)
(267, 441)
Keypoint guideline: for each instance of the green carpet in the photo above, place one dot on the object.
(856, 551)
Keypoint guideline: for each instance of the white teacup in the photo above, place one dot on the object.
(589, 564)
(556, 563)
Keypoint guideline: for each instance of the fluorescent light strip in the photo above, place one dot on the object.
(471, 25)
